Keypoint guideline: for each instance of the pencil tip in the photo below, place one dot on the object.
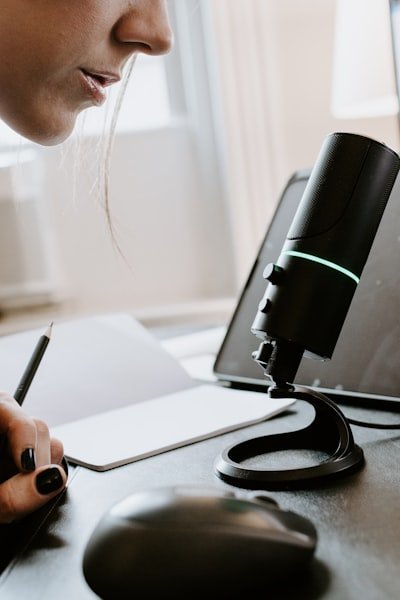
(47, 333)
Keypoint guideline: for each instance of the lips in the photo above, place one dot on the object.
(94, 84)
(104, 78)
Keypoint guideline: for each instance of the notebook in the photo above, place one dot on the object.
(364, 369)
(113, 394)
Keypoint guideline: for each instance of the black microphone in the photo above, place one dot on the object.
(312, 283)
(310, 289)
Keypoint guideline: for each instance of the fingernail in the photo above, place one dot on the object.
(28, 462)
(49, 481)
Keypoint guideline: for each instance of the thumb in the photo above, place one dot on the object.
(26, 492)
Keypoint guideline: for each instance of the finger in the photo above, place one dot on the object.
(43, 453)
(27, 492)
(57, 454)
(20, 431)
(56, 451)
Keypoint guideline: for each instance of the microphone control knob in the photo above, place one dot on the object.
(273, 273)
(265, 305)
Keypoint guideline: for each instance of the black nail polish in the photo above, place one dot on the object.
(49, 481)
(28, 462)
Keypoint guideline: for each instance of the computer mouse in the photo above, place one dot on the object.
(183, 542)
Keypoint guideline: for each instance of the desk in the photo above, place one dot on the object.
(357, 519)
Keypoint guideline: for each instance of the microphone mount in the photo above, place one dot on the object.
(329, 432)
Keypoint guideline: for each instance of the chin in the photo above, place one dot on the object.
(51, 135)
(51, 138)
(45, 130)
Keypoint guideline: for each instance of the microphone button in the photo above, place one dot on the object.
(265, 305)
(273, 273)
(263, 354)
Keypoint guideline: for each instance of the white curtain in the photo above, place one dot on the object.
(244, 37)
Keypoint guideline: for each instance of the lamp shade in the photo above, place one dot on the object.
(364, 82)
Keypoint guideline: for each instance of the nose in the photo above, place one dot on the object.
(145, 27)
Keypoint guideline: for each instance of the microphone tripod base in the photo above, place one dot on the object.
(329, 432)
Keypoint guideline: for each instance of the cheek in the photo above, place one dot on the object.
(35, 96)
(40, 96)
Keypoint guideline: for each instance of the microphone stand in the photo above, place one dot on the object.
(329, 432)
(306, 301)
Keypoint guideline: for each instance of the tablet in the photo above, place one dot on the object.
(365, 367)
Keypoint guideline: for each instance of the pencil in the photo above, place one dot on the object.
(32, 366)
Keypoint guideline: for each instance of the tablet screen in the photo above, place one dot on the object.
(367, 355)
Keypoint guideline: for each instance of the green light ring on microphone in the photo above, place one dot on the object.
(322, 261)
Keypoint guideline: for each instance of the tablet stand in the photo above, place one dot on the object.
(329, 432)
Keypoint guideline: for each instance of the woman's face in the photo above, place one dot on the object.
(58, 56)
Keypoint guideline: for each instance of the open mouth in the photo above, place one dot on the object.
(103, 79)
(95, 83)
(93, 87)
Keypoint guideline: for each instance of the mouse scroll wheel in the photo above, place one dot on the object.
(260, 497)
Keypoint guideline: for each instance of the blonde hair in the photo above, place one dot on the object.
(101, 147)
(107, 155)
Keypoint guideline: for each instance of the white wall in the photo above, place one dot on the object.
(304, 32)
(275, 65)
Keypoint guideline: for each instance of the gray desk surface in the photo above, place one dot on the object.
(357, 518)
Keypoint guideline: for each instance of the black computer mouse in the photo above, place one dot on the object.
(185, 542)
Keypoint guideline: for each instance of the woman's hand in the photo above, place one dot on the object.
(30, 471)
